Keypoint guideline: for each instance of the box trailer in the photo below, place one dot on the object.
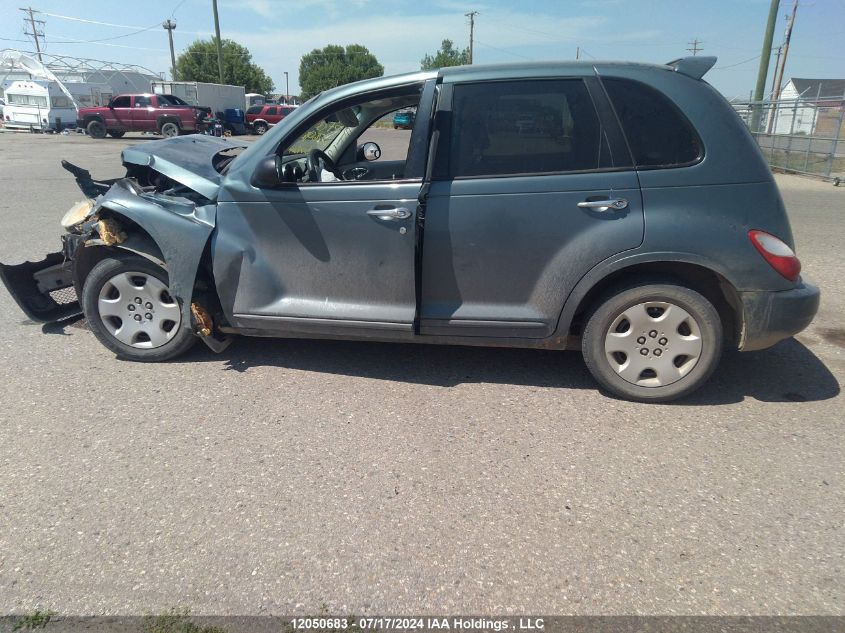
(217, 97)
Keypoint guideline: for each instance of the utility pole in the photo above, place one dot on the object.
(694, 46)
(287, 89)
(219, 41)
(471, 15)
(765, 57)
(774, 78)
(781, 64)
(35, 34)
(779, 72)
(169, 25)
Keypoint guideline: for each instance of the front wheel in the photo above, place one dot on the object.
(96, 129)
(259, 128)
(653, 342)
(130, 310)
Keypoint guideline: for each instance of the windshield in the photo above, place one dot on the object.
(166, 100)
(323, 133)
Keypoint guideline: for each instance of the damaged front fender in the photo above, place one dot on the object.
(179, 228)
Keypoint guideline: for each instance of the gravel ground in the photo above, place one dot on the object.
(282, 476)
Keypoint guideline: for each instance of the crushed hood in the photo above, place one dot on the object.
(185, 159)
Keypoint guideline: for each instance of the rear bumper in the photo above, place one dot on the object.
(769, 317)
(43, 290)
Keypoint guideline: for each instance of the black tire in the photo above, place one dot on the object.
(103, 273)
(693, 370)
(116, 134)
(169, 129)
(96, 129)
(259, 128)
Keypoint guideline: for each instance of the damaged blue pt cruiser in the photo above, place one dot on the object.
(621, 209)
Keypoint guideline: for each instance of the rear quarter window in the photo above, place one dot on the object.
(658, 133)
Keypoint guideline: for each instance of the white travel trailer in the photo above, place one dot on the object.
(41, 104)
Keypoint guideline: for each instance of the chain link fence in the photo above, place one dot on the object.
(803, 136)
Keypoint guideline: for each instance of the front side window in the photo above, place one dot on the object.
(254, 110)
(142, 102)
(658, 133)
(327, 148)
(525, 127)
(120, 102)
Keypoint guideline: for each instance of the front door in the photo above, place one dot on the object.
(121, 113)
(324, 253)
(515, 215)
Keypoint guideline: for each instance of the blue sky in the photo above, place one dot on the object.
(400, 32)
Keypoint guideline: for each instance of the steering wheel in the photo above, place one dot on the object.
(315, 156)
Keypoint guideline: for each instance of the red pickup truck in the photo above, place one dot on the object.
(165, 114)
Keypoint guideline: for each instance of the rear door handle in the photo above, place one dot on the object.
(396, 213)
(604, 205)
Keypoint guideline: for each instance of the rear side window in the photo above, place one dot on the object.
(270, 111)
(525, 127)
(254, 109)
(658, 133)
(120, 102)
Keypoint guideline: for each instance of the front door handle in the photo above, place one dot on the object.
(605, 204)
(395, 213)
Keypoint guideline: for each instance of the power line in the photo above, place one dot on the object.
(138, 29)
(502, 50)
(745, 61)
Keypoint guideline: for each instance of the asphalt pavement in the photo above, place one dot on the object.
(283, 477)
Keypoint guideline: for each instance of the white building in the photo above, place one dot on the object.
(802, 101)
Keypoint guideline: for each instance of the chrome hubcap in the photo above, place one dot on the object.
(137, 309)
(653, 344)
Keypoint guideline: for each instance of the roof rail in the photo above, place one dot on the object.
(694, 67)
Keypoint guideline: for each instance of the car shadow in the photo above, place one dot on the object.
(788, 372)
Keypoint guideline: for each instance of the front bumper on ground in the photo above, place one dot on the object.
(43, 290)
(770, 317)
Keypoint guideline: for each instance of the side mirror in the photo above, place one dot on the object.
(368, 151)
(269, 173)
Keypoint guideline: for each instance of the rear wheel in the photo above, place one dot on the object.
(259, 128)
(116, 134)
(169, 129)
(130, 310)
(96, 129)
(653, 342)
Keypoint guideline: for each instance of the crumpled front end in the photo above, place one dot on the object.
(158, 211)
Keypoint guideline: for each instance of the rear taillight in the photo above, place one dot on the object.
(777, 253)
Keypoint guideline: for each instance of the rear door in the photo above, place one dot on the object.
(271, 115)
(522, 204)
(143, 113)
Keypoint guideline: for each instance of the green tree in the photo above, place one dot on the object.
(448, 55)
(334, 65)
(198, 62)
